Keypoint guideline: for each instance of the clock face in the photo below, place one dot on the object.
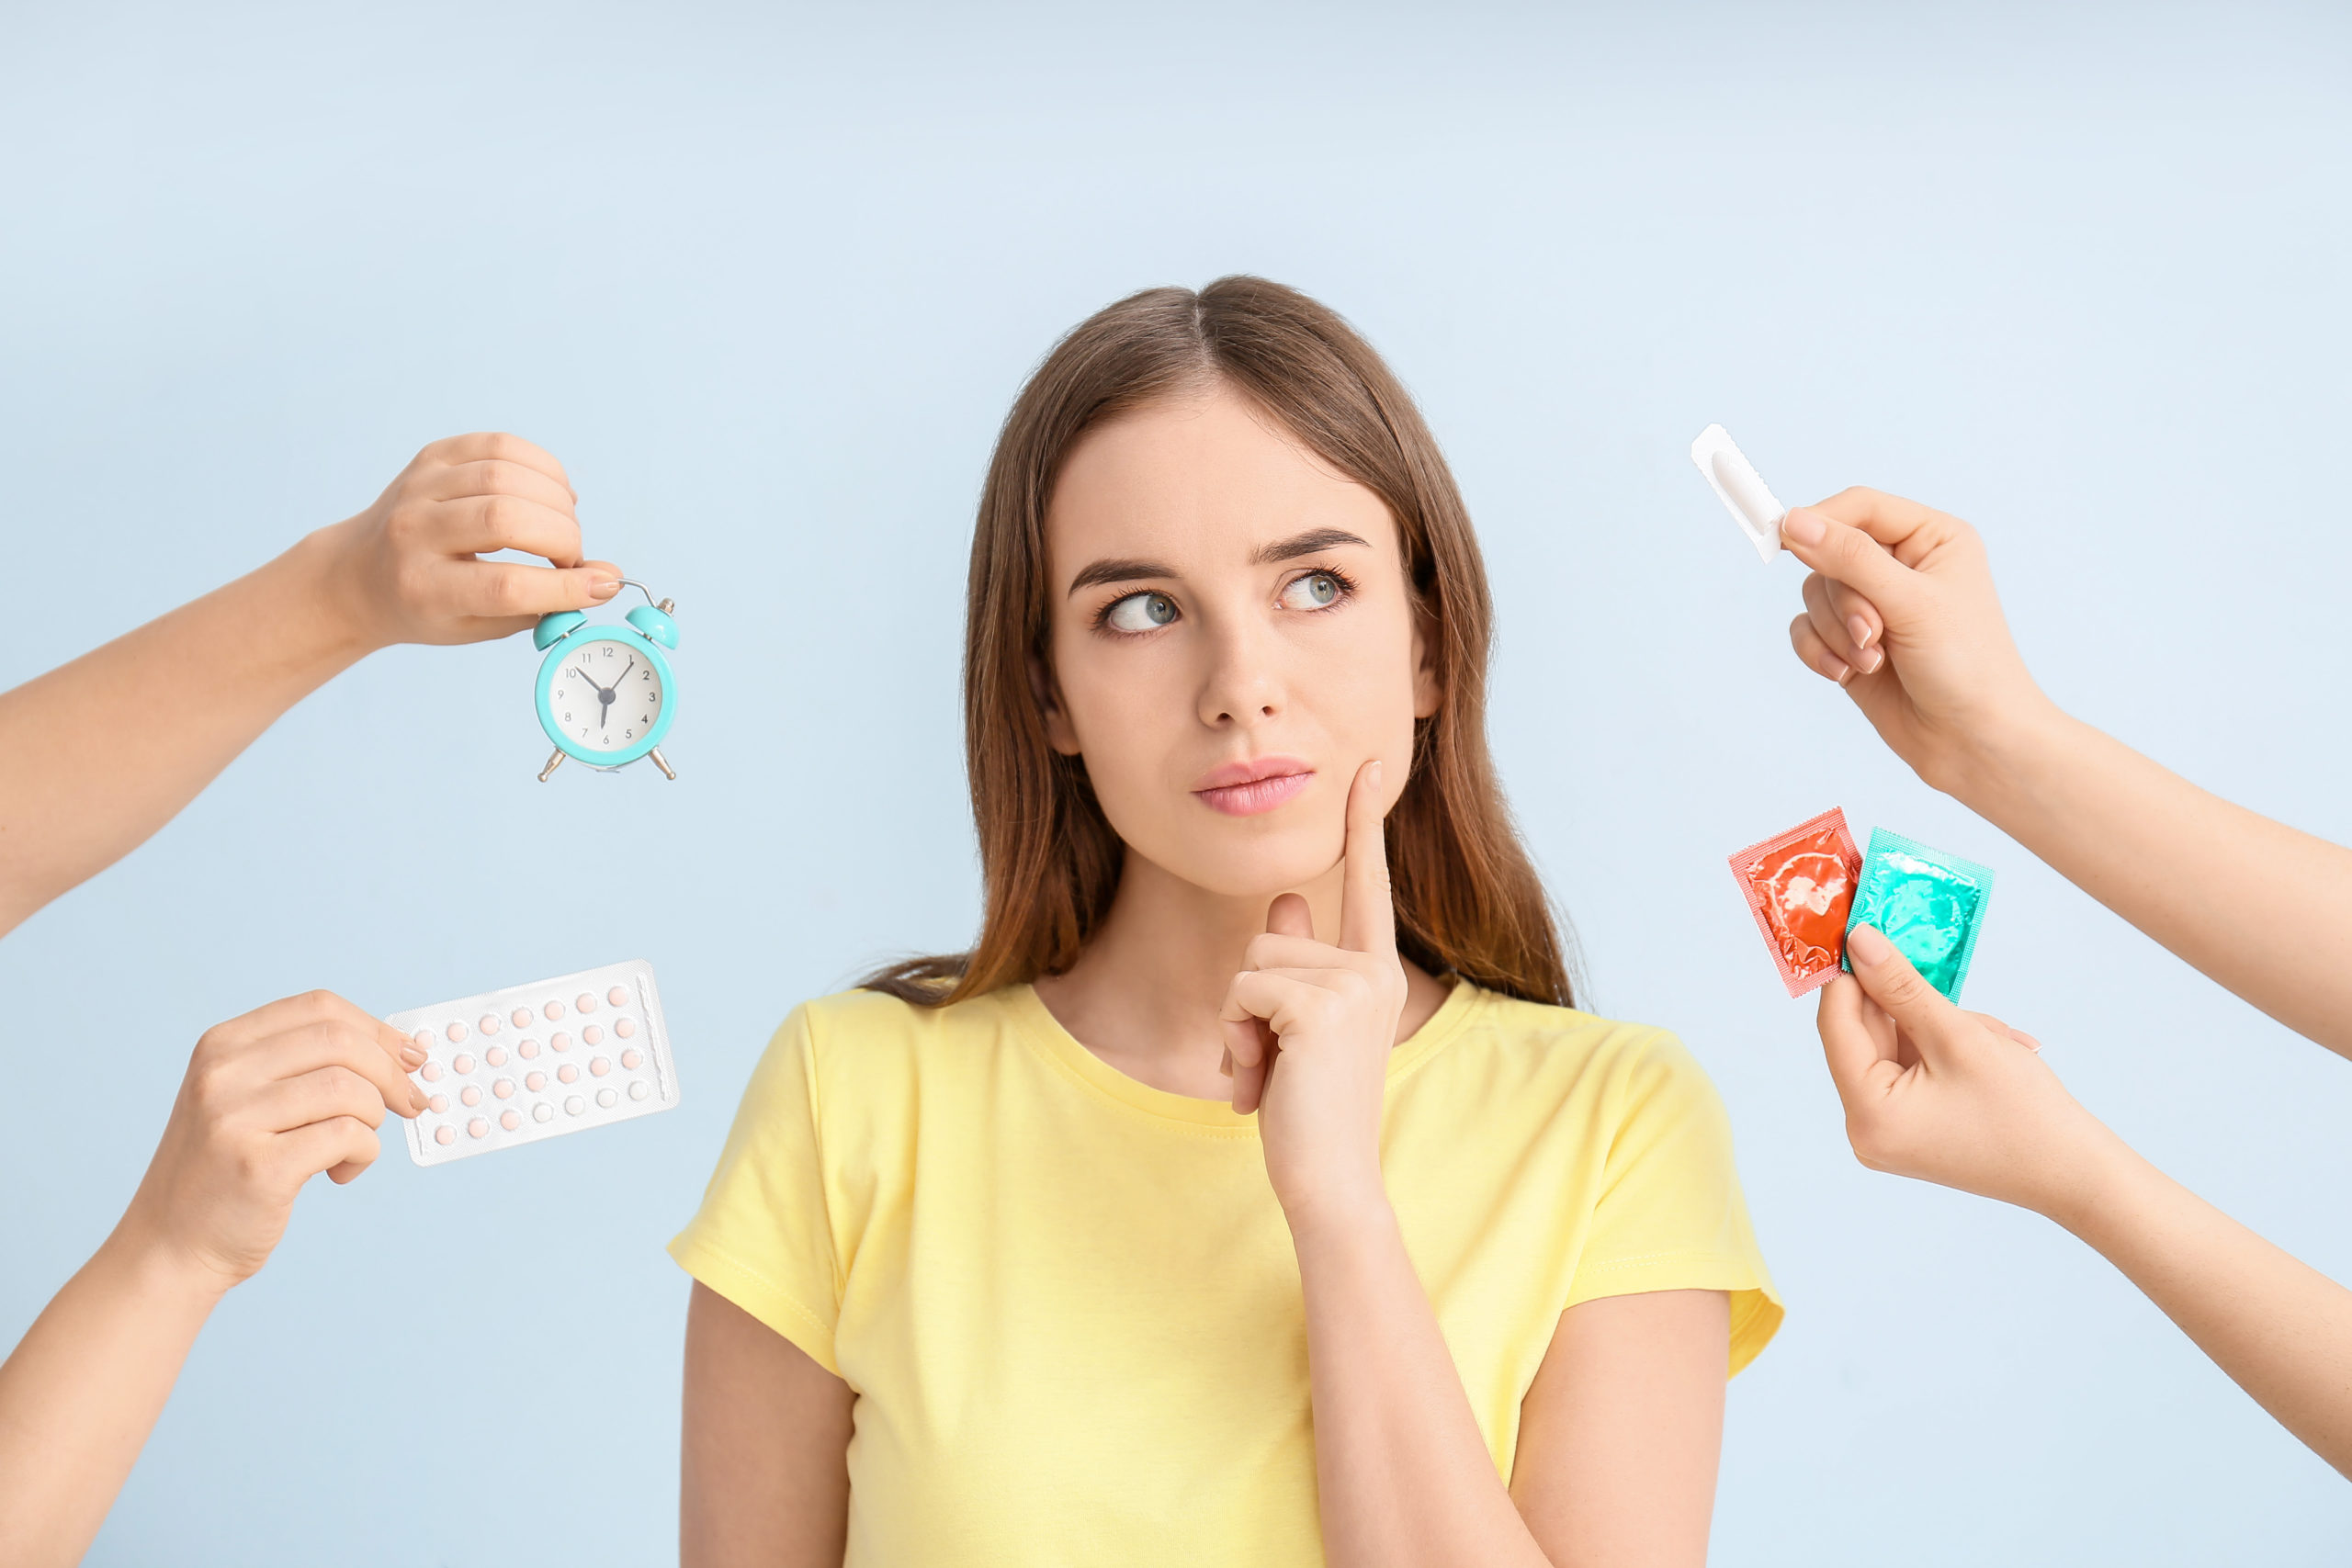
(606, 696)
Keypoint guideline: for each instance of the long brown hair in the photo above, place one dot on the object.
(1468, 901)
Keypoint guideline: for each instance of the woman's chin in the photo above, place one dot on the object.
(1256, 873)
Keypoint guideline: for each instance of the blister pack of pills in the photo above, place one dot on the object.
(1740, 489)
(530, 1061)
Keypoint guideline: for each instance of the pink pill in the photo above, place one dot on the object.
(445, 1135)
(624, 1027)
(552, 1011)
(617, 996)
(438, 1102)
(430, 1072)
(488, 1023)
(510, 1121)
(639, 1090)
(535, 1081)
(558, 1041)
(455, 1032)
(423, 1037)
(632, 1058)
(462, 1064)
(495, 1055)
(529, 1049)
(568, 1073)
(608, 1099)
(587, 1002)
(600, 1066)
(503, 1089)
(470, 1095)
(575, 1106)
(521, 1017)
(477, 1128)
(591, 1035)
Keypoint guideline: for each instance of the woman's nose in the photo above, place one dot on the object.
(1240, 686)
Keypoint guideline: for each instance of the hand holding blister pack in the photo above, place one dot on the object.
(1740, 487)
(530, 1061)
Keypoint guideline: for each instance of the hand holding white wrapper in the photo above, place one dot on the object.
(1740, 487)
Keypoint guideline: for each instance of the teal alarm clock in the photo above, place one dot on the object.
(605, 693)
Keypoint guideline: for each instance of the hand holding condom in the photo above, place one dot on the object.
(1959, 1098)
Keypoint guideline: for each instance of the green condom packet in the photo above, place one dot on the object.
(1930, 905)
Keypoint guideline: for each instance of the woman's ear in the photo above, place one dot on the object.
(1428, 692)
(1060, 735)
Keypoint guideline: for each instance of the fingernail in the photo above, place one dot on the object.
(1871, 659)
(1840, 672)
(605, 587)
(1803, 527)
(1861, 630)
(415, 1097)
(1867, 944)
(1375, 773)
(411, 1059)
(1225, 1067)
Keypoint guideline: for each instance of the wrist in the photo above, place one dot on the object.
(319, 586)
(1998, 756)
(2100, 1181)
(163, 1273)
(1344, 1209)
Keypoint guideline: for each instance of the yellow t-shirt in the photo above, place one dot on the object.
(1067, 1302)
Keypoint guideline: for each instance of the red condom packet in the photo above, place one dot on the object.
(1800, 886)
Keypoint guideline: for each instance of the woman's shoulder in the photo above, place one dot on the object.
(861, 1032)
(866, 1013)
(1542, 1026)
(1567, 1043)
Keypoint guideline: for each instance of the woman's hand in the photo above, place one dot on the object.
(407, 569)
(1308, 1028)
(1959, 1098)
(1900, 610)
(270, 1100)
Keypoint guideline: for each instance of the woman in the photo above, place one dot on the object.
(1217, 1207)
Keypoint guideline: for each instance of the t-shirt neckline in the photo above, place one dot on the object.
(1044, 1032)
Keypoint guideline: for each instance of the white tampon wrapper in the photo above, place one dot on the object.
(1740, 489)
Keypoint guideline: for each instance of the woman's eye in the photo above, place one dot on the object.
(1140, 613)
(1313, 592)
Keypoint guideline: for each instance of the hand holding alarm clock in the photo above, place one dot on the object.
(605, 694)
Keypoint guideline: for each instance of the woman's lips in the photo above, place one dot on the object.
(1246, 789)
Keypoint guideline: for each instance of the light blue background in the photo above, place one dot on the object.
(767, 282)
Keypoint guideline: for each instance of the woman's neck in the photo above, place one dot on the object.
(1145, 993)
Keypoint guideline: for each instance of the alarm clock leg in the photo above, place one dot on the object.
(663, 763)
(555, 760)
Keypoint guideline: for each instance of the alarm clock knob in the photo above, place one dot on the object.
(553, 629)
(654, 625)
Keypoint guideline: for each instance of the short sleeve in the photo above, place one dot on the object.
(1671, 1216)
(762, 1237)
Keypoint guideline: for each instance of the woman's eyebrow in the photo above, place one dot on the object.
(1117, 571)
(1305, 544)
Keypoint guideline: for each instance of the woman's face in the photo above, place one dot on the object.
(1232, 639)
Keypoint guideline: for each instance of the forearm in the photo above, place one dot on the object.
(81, 1392)
(2262, 909)
(97, 754)
(1403, 1474)
(2280, 1329)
